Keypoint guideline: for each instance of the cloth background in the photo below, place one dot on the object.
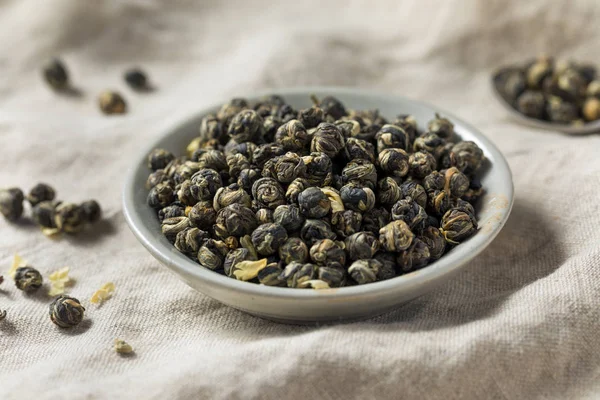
(521, 323)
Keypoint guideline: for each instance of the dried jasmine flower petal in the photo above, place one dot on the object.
(69, 218)
(289, 216)
(232, 194)
(314, 203)
(316, 284)
(189, 241)
(172, 226)
(136, 79)
(55, 74)
(441, 127)
(43, 214)
(357, 198)
(247, 270)
(327, 139)
(28, 279)
(328, 253)
(318, 169)
(122, 347)
(411, 212)
(435, 242)
(11, 203)
(267, 238)
(235, 220)
(316, 229)
(396, 236)
(346, 223)
(415, 257)
(292, 136)
(387, 270)
(394, 162)
(361, 172)
(205, 183)
(388, 191)
(334, 197)
(391, 136)
(158, 159)
(268, 193)
(212, 254)
(364, 271)
(457, 225)
(361, 245)
(40, 192)
(421, 164)
(311, 117)
(471, 154)
(414, 190)
(66, 311)
(295, 274)
(112, 103)
(293, 249)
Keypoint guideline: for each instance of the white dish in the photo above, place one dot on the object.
(304, 305)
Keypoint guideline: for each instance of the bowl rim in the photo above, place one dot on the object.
(448, 264)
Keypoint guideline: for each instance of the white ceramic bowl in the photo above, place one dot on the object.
(306, 305)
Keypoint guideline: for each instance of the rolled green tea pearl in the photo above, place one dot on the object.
(457, 225)
(212, 254)
(289, 216)
(361, 199)
(313, 203)
(456, 182)
(211, 128)
(230, 109)
(411, 212)
(329, 253)
(318, 169)
(349, 128)
(311, 117)
(66, 311)
(43, 214)
(428, 142)
(396, 236)
(202, 215)
(561, 111)
(292, 136)
(293, 249)
(28, 279)
(316, 229)
(388, 265)
(264, 215)
(267, 238)
(185, 171)
(375, 219)
(55, 74)
(531, 104)
(246, 126)
(394, 162)
(244, 148)
(327, 139)
(237, 163)
(361, 172)
(435, 242)
(41, 192)
(409, 124)
(271, 275)
(537, 72)
(392, 136)
(172, 226)
(158, 159)
(270, 125)
(266, 152)
(286, 168)
(112, 103)
(11, 203)
(176, 209)
(332, 106)
(388, 191)
(136, 79)
(156, 177)
(268, 193)
(91, 211)
(415, 191)
(364, 271)
(421, 164)
(69, 218)
(210, 158)
(448, 158)
(189, 241)
(235, 220)
(247, 177)
(233, 258)
(441, 127)
(434, 182)
(184, 194)
(346, 223)
(357, 149)
(361, 245)
(205, 183)
(295, 273)
(415, 257)
(286, 113)
(232, 194)
(471, 154)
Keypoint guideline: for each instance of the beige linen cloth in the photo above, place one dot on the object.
(522, 322)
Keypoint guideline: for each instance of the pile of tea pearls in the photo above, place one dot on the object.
(315, 198)
(49, 214)
(557, 91)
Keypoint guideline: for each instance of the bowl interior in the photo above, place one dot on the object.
(493, 208)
